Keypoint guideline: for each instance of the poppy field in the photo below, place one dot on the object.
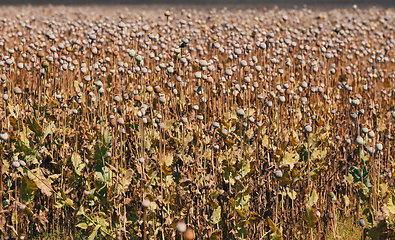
(191, 123)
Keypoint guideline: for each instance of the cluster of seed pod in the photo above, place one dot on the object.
(266, 98)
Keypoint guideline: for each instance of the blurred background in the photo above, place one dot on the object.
(237, 3)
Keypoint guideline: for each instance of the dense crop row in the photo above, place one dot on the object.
(186, 124)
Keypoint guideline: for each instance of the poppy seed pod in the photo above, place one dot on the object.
(17, 90)
(215, 124)
(87, 193)
(379, 147)
(371, 134)
(240, 112)
(189, 234)
(162, 99)
(4, 136)
(117, 99)
(146, 203)
(361, 222)
(355, 102)
(359, 141)
(132, 53)
(16, 164)
(181, 227)
(278, 174)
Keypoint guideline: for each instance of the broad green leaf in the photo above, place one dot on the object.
(265, 140)
(350, 178)
(241, 213)
(291, 193)
(77, 163)
(168, 159)
(346, 201)
(77, 86)
(69, 203)
(35, 126)
(391, 204)
(216, 217)
(27, 189)
(49, 129)
(364, 157)
(243, 197)
(241, 231)
(290, 158)
(81, 211)
(59, 204)
(92, 236)
(228, 175)
(272, 225)
(310, 217)
(41, 182)
(245, 169)
(104, 175)
(28, 211)
(384, 188)
(82, 225)
(216, 235)
(253, 218)
(313, 198)
(374, 233)
(315, 154)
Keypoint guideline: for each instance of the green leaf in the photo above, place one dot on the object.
(241, 231)
(364, 157)
(350, 178)
(28, 211)
(346, 201)
(243, 197)
(77, 86)
(82, 225)
(313, 198)
(69, 203)
(168, 159)
(35, 126)
(49, 129)
(384, 188)
(77, 163)
(265, 140)
(374, 233)
(216, 235)
(104, 175)
(92, 236)
(41, 182)
(81, 211)
(276, 235)
(272, 225)
(310, 217)
(291, 193)
(241, 213)
(253, 218)
(27, 189)
(59, 204)
(391, 204)
(228, 175)
(216, 217)
(290, 158)
(245, 168)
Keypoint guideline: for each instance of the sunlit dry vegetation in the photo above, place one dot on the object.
(189, 124)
